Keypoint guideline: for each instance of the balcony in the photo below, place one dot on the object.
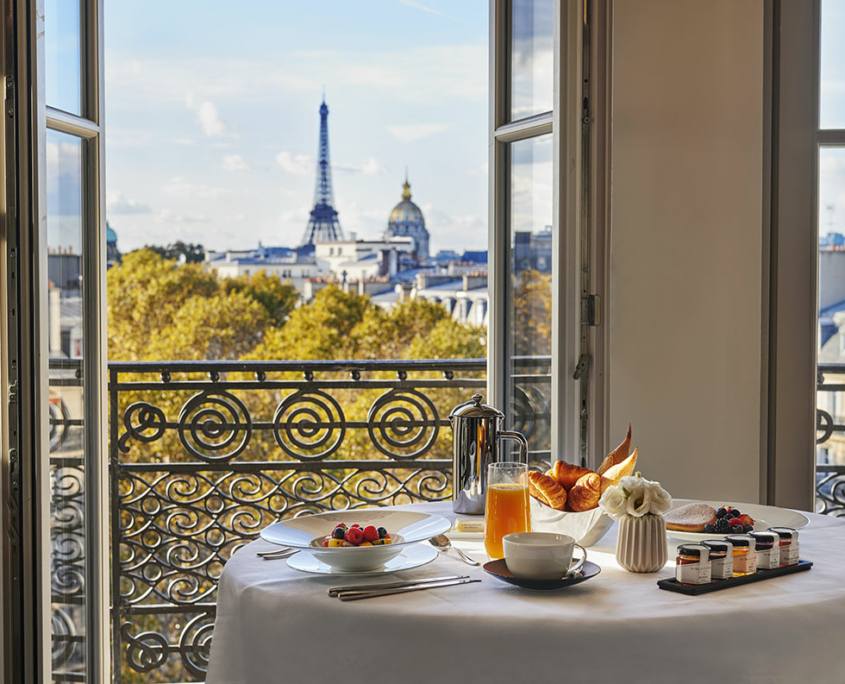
(830, 440)
(203, 455)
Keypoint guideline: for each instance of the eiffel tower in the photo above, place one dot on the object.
(323, 224)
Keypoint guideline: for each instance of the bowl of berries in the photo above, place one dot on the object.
(357, 541)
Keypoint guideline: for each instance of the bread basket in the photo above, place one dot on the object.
(586, 527)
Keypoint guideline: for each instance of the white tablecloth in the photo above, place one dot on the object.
(275, 624)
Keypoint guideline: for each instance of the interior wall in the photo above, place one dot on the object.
(686, 242)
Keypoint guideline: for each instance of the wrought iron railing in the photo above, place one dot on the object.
(830, 439)
(203, 455)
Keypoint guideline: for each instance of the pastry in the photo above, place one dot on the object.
(567, 474)
(546, 490)
(616, 456)
(620, 470)
(690, 518)
(585, 495)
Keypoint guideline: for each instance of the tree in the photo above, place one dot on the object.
(193, 253)
(277, 298)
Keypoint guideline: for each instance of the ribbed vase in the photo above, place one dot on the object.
(641, 544)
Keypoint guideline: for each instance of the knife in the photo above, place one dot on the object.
(395, 585)
(357, 595)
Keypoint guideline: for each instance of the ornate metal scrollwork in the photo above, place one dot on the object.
(144, 423)
(403, 419)
(147, 651)
(195, 644)
(211, 422)
(305, 422)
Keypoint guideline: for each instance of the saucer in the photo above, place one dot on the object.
(412, 556)
(499, 570)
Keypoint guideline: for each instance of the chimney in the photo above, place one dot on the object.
(393, 263)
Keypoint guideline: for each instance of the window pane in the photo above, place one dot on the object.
(63, 55)
(833, 64)
(530, 343)
(67, 446)
(532, 57)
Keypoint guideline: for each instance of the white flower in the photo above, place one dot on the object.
(635, 496)
(613, 501)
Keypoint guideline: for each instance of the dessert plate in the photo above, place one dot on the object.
(409, 557)
(499, 570)
(764, 518)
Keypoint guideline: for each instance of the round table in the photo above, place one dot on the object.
(275, 624)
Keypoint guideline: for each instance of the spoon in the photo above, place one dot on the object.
(441, 543)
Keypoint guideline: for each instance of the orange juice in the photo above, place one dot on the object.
(507, 512)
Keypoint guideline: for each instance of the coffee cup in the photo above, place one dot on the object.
(541, 555)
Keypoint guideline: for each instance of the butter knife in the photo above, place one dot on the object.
(357, 595)
(334, 591)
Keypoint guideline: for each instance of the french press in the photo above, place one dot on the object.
(476, 433)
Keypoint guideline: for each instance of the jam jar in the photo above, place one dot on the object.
(692, 566)
(721, 558)
(745, 554)
(789, 548)
(768, 550)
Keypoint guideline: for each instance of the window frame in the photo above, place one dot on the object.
(563, 122)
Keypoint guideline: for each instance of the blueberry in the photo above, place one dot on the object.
(737, 529)
(709, 529)
(735, 512)
(338, 533)
(721, 513)
(748, 528)
(382, 533)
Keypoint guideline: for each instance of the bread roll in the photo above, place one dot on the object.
(567, 474)
(546, 490)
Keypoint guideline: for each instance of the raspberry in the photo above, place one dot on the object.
(370, 533)
(354, 535)
(326, 541)
(355, 525)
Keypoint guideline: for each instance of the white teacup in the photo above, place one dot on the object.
(541, 555)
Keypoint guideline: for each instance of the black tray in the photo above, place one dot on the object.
(718, 585)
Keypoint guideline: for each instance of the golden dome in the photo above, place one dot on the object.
(406, 211)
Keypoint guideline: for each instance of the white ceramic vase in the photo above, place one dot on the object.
(641, 544)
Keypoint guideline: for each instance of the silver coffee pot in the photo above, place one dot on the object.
(476, 433)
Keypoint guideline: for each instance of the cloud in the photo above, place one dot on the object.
(297, 164)
(168, 216)
(208, 118)
(370, 167)
(431, 10)
(411, 132)
(182, 187)
(118, 203)
(234, 162)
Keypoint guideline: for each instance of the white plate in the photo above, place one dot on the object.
(764, 518)
(409, 557)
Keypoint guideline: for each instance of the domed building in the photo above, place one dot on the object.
(406, 220)
(112, 254)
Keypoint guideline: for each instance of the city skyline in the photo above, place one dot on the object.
(218, 146)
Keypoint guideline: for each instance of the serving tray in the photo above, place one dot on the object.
(718, 585)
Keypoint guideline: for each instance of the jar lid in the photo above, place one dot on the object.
(694, 550)
(742, 540)
(765, 537)
(785, 532)
(718, 545)
(475, 409)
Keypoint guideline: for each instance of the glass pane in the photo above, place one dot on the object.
(63, 55)
(530, 343)
(532, 57)
(833, 64)
(67, 447)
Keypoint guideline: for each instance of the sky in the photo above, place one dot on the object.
(832, 115)
(212, 117)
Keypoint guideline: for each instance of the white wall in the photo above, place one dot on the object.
(831, 278)
(687, 242)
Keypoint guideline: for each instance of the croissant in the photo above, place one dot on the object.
(616, 456)
(620, 470)
(585, 495)
(567, 474)
(546, 490)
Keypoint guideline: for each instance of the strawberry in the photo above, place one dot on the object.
(354, 535)
(370, 533)
(746, 519)
(735, 521)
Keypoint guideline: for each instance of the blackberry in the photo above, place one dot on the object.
(722, 512)
(722, 526)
